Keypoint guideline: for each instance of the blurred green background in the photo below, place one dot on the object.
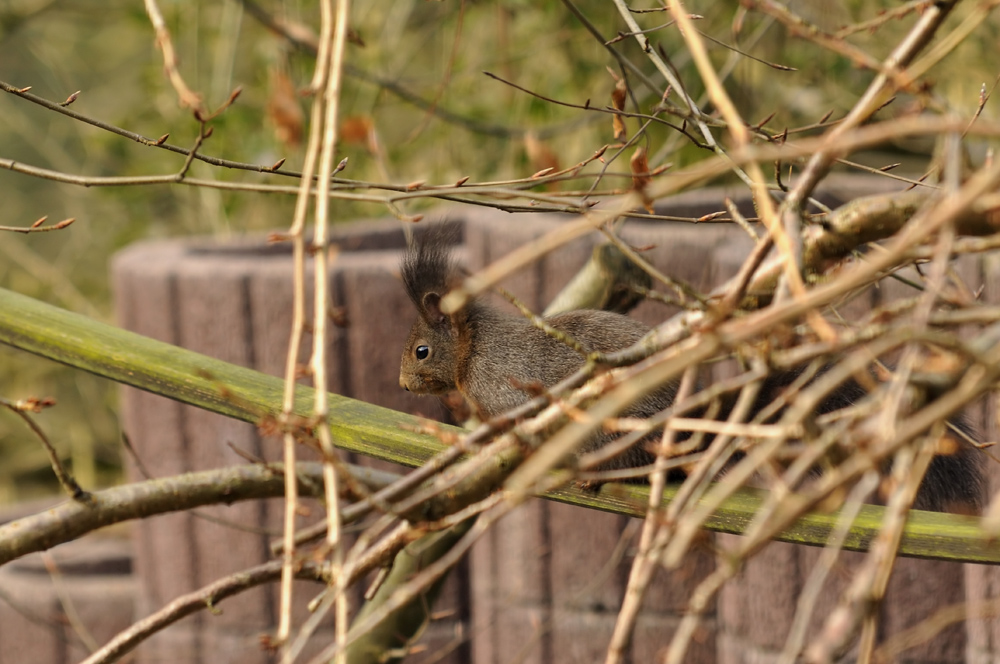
(470, 126)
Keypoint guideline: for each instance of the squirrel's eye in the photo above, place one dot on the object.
(422, 352)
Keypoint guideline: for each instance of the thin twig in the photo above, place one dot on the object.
(67, 603)
(66, 479)
(644, 563)
(201, 599)
(187, 97)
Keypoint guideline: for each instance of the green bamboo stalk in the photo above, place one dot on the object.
(251, 396)
(202, 381)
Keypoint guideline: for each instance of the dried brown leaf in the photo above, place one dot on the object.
(355, 129)
(542, 159)
(639, 164)
(618, 96)
(284, 109)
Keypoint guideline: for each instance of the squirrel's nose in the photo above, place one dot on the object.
(402, 383)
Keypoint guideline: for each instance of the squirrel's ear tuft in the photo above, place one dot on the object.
(432, 313)
(428, 267)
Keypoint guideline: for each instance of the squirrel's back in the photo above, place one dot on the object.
(504, 357)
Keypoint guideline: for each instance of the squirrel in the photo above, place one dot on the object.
(491, 356)
(494, 358)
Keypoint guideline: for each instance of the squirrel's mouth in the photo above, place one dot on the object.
(426, 386)
(435, 387)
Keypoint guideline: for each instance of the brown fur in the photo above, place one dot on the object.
(494, 359)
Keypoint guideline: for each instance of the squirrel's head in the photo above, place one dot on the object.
(428, 363)
(428, 271)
